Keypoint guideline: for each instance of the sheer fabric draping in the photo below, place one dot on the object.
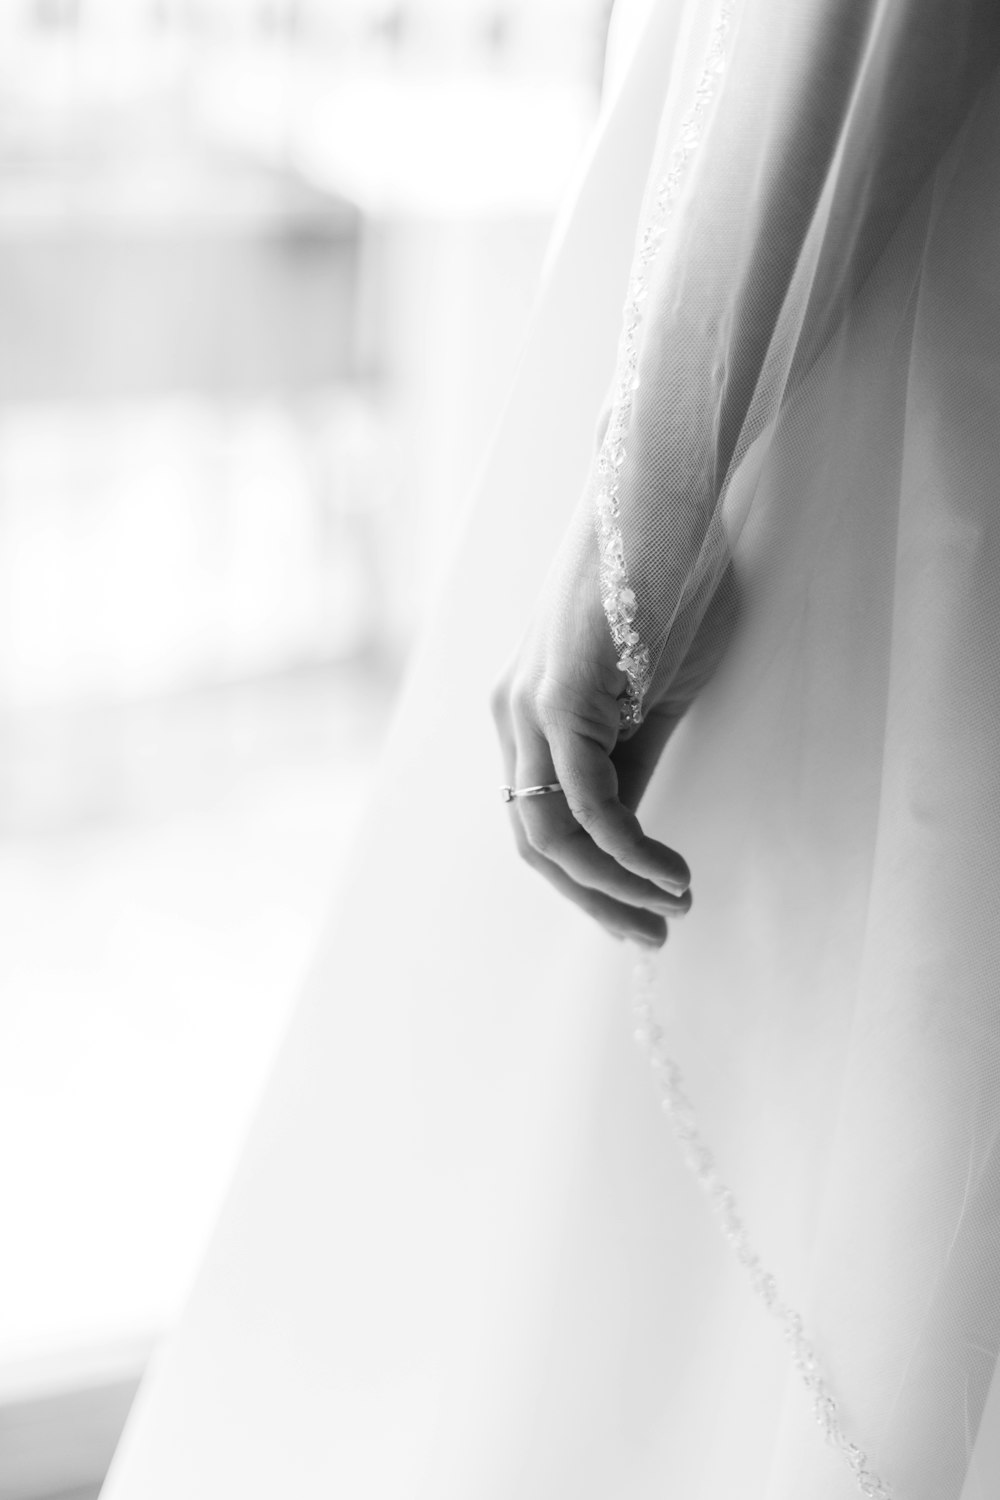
(796, 145)
(462, 1255)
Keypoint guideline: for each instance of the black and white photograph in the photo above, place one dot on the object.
(499, 749)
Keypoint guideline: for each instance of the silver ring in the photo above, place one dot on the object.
(508, 793)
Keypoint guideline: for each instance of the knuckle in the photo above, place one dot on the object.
(524, 849)
(502, 699)
(541, 840)
(499, 701)
(521, 699)
(596, 814)
(548, 698)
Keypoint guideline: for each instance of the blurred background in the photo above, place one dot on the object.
(265, 269)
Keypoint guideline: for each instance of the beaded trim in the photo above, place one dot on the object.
(621, 610)
(681, 1115)
(617, 595)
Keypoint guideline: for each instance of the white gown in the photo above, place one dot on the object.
(463, 1257)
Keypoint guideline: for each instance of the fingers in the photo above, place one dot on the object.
(629, 883)
(590, 782)
(622, 921)
(554, 832)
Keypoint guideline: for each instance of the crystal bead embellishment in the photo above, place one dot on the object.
(617, 597)
(680, 1113)
(624, 615)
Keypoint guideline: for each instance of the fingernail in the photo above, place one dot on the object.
(674, 871)
(672, 901)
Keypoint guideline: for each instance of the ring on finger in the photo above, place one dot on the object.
(508, 793)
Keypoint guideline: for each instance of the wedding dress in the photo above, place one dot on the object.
(478, 1248)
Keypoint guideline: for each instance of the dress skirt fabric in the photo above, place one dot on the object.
(463, 1258)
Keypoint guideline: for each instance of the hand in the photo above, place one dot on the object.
(557, 714)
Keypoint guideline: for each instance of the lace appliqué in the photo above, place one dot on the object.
(680, 1112)
(617, 595)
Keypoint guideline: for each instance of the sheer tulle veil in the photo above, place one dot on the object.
(476, 1246)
